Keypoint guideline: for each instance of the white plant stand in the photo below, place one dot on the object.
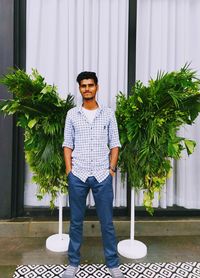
(58, 242)
(131, 248)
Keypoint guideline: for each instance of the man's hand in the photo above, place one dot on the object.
(68, 160)
(112, 173)
(67, 171)
(113, 160)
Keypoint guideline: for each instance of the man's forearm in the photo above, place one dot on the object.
(114, 157)
(68, 159)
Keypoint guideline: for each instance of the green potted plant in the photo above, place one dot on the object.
(148, 122)
(41, 113)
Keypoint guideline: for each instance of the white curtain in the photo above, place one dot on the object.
(66, 37)
(168, 36)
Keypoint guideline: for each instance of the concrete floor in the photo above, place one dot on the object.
(30, 250)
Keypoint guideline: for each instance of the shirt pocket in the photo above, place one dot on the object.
(103, 133)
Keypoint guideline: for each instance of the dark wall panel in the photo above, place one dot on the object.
(6, 124)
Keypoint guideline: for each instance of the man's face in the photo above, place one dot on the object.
(88, 89)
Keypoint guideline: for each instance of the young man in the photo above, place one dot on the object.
(91, 145)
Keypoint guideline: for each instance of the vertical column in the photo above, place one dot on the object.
(132, 29)
(12, 53)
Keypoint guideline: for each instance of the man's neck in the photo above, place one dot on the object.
(90, 104)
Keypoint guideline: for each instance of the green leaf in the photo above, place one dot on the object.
(32, 123)
(139, 99)
(4, 107)
(190, 145)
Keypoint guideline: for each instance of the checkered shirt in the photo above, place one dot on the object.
(91, 142)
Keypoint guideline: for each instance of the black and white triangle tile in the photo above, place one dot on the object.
(135, 270)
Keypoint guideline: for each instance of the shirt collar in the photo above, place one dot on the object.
(100, 107)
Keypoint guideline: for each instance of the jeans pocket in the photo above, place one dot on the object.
(110, 175)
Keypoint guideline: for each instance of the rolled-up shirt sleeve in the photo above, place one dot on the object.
(68, 133)
(113, 133)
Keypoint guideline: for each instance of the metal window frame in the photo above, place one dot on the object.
(19, 48)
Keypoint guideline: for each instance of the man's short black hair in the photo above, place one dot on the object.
(87, 75)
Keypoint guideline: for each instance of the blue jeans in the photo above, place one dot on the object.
(103, 196)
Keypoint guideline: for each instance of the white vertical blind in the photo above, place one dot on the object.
(66, 37)
(168, 36)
